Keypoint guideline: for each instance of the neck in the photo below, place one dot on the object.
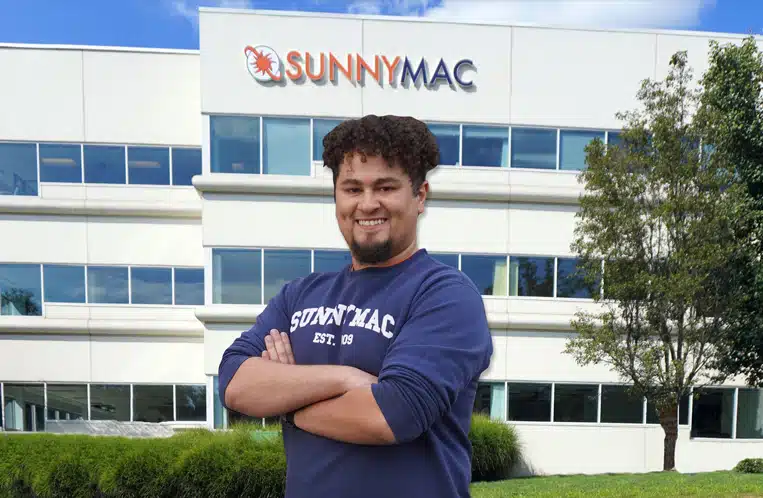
(394, 260)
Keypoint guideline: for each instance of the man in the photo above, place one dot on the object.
(375, 367)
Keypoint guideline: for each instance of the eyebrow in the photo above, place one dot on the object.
(386, 179)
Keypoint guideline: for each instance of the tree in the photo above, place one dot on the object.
(657, 227)
(731, 115)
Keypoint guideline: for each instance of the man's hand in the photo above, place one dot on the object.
(279, 350)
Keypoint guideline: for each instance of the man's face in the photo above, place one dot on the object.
(376, 209)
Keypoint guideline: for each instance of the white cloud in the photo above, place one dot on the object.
(587, 13)
(189, 9)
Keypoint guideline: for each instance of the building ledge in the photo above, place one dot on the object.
(34, 325)
(90, 207)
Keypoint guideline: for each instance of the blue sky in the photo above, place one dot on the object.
(172, 23)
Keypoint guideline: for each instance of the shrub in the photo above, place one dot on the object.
(750, 466)
(496, 448)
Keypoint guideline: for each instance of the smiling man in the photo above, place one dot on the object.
(374, 368)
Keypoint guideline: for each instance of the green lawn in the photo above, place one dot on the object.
(660, 484)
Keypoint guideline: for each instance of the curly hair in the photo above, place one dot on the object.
(399, 140)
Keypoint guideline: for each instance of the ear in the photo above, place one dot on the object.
(421, 195)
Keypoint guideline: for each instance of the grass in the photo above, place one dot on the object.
(657, 484)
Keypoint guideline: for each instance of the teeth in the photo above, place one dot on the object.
(368, 223)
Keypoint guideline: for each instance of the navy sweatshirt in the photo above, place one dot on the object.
(421, 328)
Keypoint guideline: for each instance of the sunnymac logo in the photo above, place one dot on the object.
(266, 66)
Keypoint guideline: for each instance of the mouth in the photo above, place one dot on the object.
(371, 223)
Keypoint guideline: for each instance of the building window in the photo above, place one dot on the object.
(321, 128)
(485, 146)
(61, 163)
(286, 146)
(533, 148)
(110, 402)
(448, 140)
(105, 164)
(713, 413)
(448, 259)
(652, 417)
(148, 165)
(487, 272)
(614, 138)
(749, 414)
(235, 144)
(530, 402)
(186, 163)
(64, 283)
(108, 284)
(491, 400)
(67, 402)
(18, 169)
(189, 286)
(236, 276)
(152, 403)
(24, 407)
(191, 403)
(620, 406)
(570, 281)
(331, 261)
(151, 285)
(282, 266)
(532, 277)
(20, 290)
(576, 402)
(572, 144)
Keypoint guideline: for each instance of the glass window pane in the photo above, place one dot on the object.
(191, 403)
(107, 284)
(570, 281)
(447, 136)
(189, 286)
(20, 290)
(61, 163)
(487, 272)
(448, 259)
(321, 128)
(331, 261)
(576, 403)
(105, 164)
(67, 402)
(282, 266)
(712, 413)
(235, 144)
(110, 402)
(530, 402)
(18, 169)
(485, 146)
(750, 414)
(286, 146)
(531, 276)
(152, 404)
(236, 276)
(533, 148)
(491, 400)
(64, 283)
(683, 412)
(620, 406)
(572, 144)
(151, 285)
(24, 407)
(218, 412)
(186, 163)
(148, 165)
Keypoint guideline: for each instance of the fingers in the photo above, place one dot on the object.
(287, 348)
(279, 347)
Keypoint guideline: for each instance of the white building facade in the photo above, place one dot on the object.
(151, 202)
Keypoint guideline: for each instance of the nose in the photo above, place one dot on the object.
(368, 201)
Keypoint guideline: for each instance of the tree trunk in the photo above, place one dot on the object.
(669, 423)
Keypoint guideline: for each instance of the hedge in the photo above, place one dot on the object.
(246, 461)
(750, 466)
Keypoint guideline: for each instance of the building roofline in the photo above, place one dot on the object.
(434, 20)
(99, 48)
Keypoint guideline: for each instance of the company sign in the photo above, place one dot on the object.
(266, 66)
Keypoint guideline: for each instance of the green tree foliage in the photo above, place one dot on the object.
(659, 217)
(731, 116)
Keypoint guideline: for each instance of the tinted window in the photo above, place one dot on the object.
(236, 276)
(448, 138)
(533, 148)
(107, 284)
(620, 405)
(189, 286)
(67, 401)
(487, 272)
(282, 266)
(286, 146)
(185, 164)
(104, 164)
(191, 403)
(18, 169)
(151, 285)
(576, 403)
(572, 144)
(485, 146)
(110, 402)
(61, 163)
(530, 402)
(235, 144)
(331, 261)
(570, 280)
(20, 290)
(321, 127)
(532, 277)
(713, 413)
(148, 165)
(153, 403)
(64, 283)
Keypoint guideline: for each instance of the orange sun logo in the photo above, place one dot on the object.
(263, 63)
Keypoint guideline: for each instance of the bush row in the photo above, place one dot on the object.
(191, 464)
(750, 466)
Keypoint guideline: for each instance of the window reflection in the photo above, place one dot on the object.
(235, 144)
(148, 165)
(105, 164)
(286, 146)
(237, 276)
(107, 284)
(110, 402)
(485, 146)
(572, 144)
(191, 403)
(61, 163)
(713, 413)
(532, 277)
(186, 163)
(151, 285)
(189, 286)
(64, 283)
(576, 403)
(448, 141)
(153, 403)
(18, 169)
(487, 272)
(20, 290)
(619, 405)
(533, 148)
(67, 402)
(530, 402)
(571, 281)
(321, 128)
(24, 407)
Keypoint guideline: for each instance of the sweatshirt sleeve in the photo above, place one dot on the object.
(252, 342)
(443, 346)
